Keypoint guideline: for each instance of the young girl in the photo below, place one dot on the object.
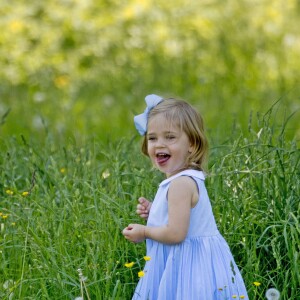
(189, 259)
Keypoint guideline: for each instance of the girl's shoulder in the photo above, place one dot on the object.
(189, 172)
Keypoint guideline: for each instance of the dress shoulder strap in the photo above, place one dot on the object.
(188, 172)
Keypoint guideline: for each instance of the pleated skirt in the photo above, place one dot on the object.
(200, 268)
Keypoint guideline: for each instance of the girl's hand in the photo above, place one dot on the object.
(143, 208)
(134, 233)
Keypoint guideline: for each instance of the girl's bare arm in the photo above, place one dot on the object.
(181, 198)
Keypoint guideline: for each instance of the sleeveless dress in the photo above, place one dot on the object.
(199, 268)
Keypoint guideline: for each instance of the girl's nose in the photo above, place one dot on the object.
(160, 142)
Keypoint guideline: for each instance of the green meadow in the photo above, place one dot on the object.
(72, 76)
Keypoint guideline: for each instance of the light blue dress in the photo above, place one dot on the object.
(199, 268)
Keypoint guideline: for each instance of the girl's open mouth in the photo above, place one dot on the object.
(161, 158)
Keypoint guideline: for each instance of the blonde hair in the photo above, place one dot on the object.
(185, 116)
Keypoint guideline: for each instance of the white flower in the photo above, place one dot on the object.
(105, 174)
(8, 284)
(272, 294)
(78, 298)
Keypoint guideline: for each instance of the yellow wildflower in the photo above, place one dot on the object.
(16, 26)
(9, 192)
(141, 274)
(242, 297)
(62, 81)
(4, 216)
(25, 194)
(256, 283)
(234, 296)
(129, 265)
(13, 223)
(63, 170)
(146, 258)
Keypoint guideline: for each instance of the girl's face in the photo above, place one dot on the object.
(168, 145)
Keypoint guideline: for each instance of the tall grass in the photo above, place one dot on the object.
(255, 189)
(80, 197)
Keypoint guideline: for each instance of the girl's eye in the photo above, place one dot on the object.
(170, 137)
(151, 138)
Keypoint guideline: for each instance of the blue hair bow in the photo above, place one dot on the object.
(141, 121)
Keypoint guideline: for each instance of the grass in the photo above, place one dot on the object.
(255, 190)
(82, 195)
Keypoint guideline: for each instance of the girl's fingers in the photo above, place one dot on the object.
(143, 206)
(140, 207)
(143, 201)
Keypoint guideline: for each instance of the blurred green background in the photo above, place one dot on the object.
(72, 75)
(81, 68)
